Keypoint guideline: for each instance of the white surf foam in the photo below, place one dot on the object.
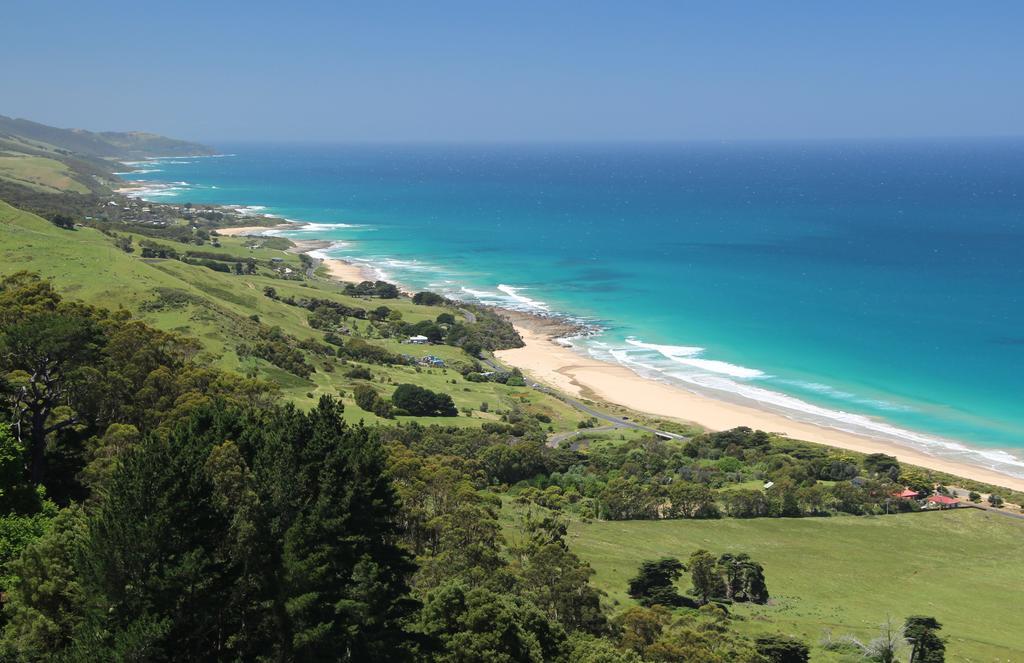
(481, 294)
(514, 294)
(306, 227)
(326, 253)
(839, 394)
(688, 356)
(153, 190)
(140, 171)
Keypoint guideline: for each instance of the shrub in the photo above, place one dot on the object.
(782, 649)
(427, 299)
(654, 583)
(421, 402)
(360, 350)
(368, 399)
(381, 289)
(63, 221)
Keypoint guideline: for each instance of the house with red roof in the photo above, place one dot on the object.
(906, 494)
(942, 502)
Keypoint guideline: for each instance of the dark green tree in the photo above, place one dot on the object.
(44, 355)
(482, 626)
(63, 221)
(45, 604)
(421, 402)
(743, 578)
(17, 494)
(691, 500)
(344, 574)
(782, 649)
(883, 465)
(426, 298)
(704, 576)
(926, 644)
(555, 579)
(654, 583)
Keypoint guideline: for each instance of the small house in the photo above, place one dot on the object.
(942, 502)
(418, 340)
(905, 494)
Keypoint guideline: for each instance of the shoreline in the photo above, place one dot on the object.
(342, 270)
(571, 372)
(574, 373)
(251, 230)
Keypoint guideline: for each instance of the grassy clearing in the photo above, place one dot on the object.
(216, 308)
(39, 173)
(846, 574)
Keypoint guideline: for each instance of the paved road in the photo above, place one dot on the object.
(961, 493)
(470, 316)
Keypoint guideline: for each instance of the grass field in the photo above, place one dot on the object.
(85, 264)
(847, 573)
(39, 173)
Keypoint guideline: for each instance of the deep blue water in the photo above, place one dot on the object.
(876, 287)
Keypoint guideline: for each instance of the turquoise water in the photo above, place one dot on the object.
(873, 287)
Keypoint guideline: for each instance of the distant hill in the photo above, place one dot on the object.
(40, 164)
(104, 145)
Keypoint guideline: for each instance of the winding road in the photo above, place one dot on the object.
(613, 421)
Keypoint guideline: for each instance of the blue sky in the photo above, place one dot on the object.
(469, 71)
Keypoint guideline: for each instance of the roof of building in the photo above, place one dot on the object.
(942, 499)
(906, 492)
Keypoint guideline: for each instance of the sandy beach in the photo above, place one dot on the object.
(347, 271)
(558, 366)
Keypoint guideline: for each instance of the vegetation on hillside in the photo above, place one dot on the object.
(209, 453)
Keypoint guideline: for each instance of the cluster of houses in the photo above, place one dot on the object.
(428, 360)
(936, 501)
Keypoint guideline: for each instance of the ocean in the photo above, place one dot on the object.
(875, 287)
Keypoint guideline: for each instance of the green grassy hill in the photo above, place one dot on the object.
(847, 573)
(217, 308)
(39, 173)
